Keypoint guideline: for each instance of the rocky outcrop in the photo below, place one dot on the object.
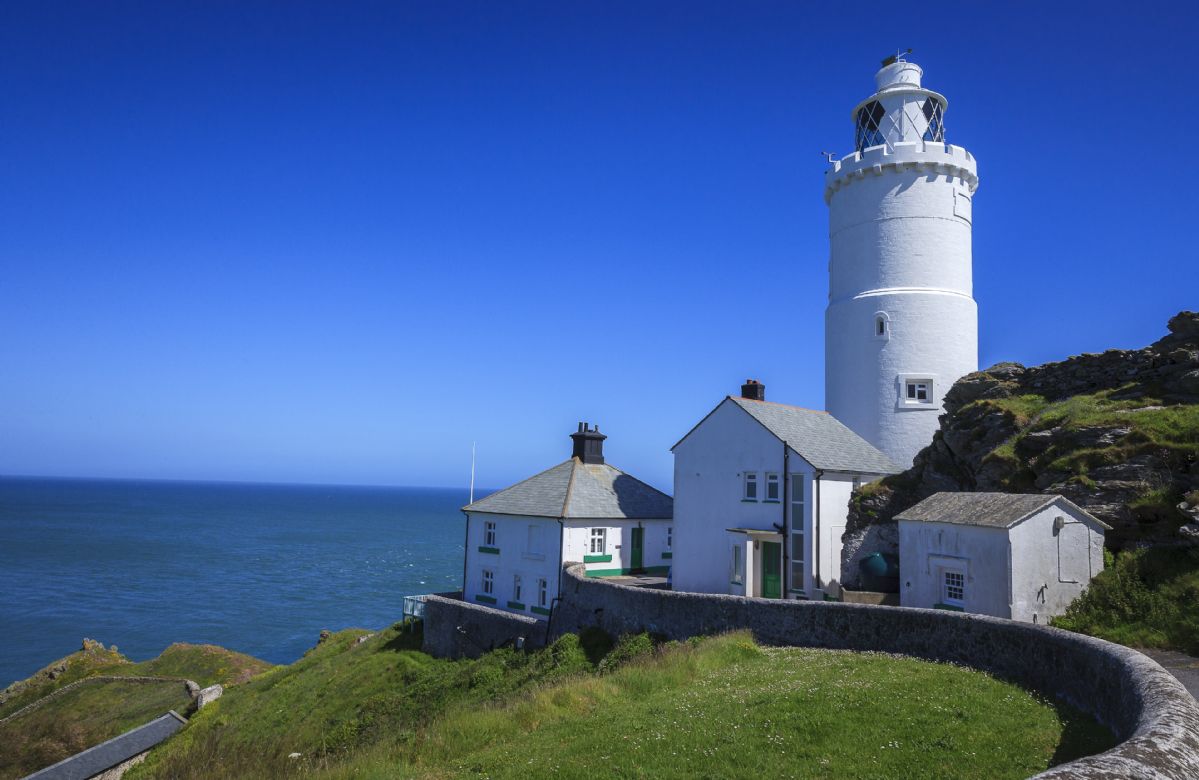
(1116, 432)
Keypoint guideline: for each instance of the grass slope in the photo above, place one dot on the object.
(1144, 598)
(92, 712)
(720, 707)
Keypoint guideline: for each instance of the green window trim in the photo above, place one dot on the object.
(948, 607)
(515, 605)
(667, 555)
(771, 501)
(597, 558)
(540, 611)
(484, 599)
(490, 550)
(749, 501)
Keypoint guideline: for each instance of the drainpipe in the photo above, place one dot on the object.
(786, 536)
(561, 535)
(816, 531)
(465, 553)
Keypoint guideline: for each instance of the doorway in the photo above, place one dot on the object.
(772, 567)
(637, 551)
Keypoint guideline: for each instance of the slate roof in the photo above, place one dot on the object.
(106, 755)
(818, 437)
(574, 489)
(991, 510)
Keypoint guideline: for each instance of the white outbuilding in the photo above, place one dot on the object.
(1018, 556)
(580, 510)
(762, 495)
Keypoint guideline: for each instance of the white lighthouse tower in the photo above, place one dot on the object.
(901, 325)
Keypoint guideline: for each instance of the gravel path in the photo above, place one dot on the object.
(1184, 667)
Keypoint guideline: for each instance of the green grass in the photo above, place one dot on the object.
(1144, 598)
(80, 718)
(720, 707)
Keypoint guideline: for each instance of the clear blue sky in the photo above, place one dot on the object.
(338, 242)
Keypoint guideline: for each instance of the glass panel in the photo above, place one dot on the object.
(797, 548)
(797, 488)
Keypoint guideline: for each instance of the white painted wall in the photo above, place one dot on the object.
(900, 219)
(515, 557)
(708, 488)
(1029, 572)
(1051, 567)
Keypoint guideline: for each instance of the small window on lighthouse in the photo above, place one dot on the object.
(882, 326)
(918, 392)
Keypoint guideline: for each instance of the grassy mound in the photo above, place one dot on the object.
(1143, 598)
(98, 707)
(720, 707)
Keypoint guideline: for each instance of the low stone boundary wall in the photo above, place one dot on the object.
(454, 628)
(1142, 703)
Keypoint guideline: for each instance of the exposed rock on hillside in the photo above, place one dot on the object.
(1115, 432)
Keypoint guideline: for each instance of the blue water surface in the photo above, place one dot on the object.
(256, 568)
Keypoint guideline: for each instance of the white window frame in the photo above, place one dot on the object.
(517, 587)
(749, 480)
(669, 537)
(930, 388)
(599, 535)
(882, 326)
(773, 481)
(959, 575)
(488, 582)
(798, 507)
(737, 565)
(489, 533)
(543, 590)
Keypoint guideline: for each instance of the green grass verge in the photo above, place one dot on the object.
(720, 707)
(80, 718)
(1143, 598)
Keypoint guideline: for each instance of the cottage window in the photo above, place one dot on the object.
(516, 589)
(772, 487)
(542, 593)
(599, 541)
(488, 582)
(489, 533)
(953, 587)
(669, 537)
(798, 546)
(750, 486)
(737, 566)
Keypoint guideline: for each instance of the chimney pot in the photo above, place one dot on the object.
(588, 444)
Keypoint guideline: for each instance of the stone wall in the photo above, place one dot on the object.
(454, 628)
(1141, 702)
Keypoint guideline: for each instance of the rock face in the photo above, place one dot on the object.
(1115, 432)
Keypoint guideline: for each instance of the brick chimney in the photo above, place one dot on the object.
(753, 390)
(589, 444)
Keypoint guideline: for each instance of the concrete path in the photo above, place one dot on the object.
(1184, 667)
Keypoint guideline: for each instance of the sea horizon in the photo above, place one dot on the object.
(256, 567)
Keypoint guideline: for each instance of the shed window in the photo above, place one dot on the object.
(953, 587)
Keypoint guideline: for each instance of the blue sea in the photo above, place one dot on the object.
(255, 568)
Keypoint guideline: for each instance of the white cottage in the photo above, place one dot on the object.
(580, 510)
(761, 496)
(1017, 556)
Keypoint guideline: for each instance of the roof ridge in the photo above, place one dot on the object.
(570, 485)
(515, 485)
(776, 403)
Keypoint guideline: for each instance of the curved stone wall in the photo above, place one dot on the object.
(1142, 703)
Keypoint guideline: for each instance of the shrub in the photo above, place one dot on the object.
(628, 648)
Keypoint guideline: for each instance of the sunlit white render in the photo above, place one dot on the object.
(901, 324)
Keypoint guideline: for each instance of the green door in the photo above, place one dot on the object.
(637, 554)
(772, 567)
